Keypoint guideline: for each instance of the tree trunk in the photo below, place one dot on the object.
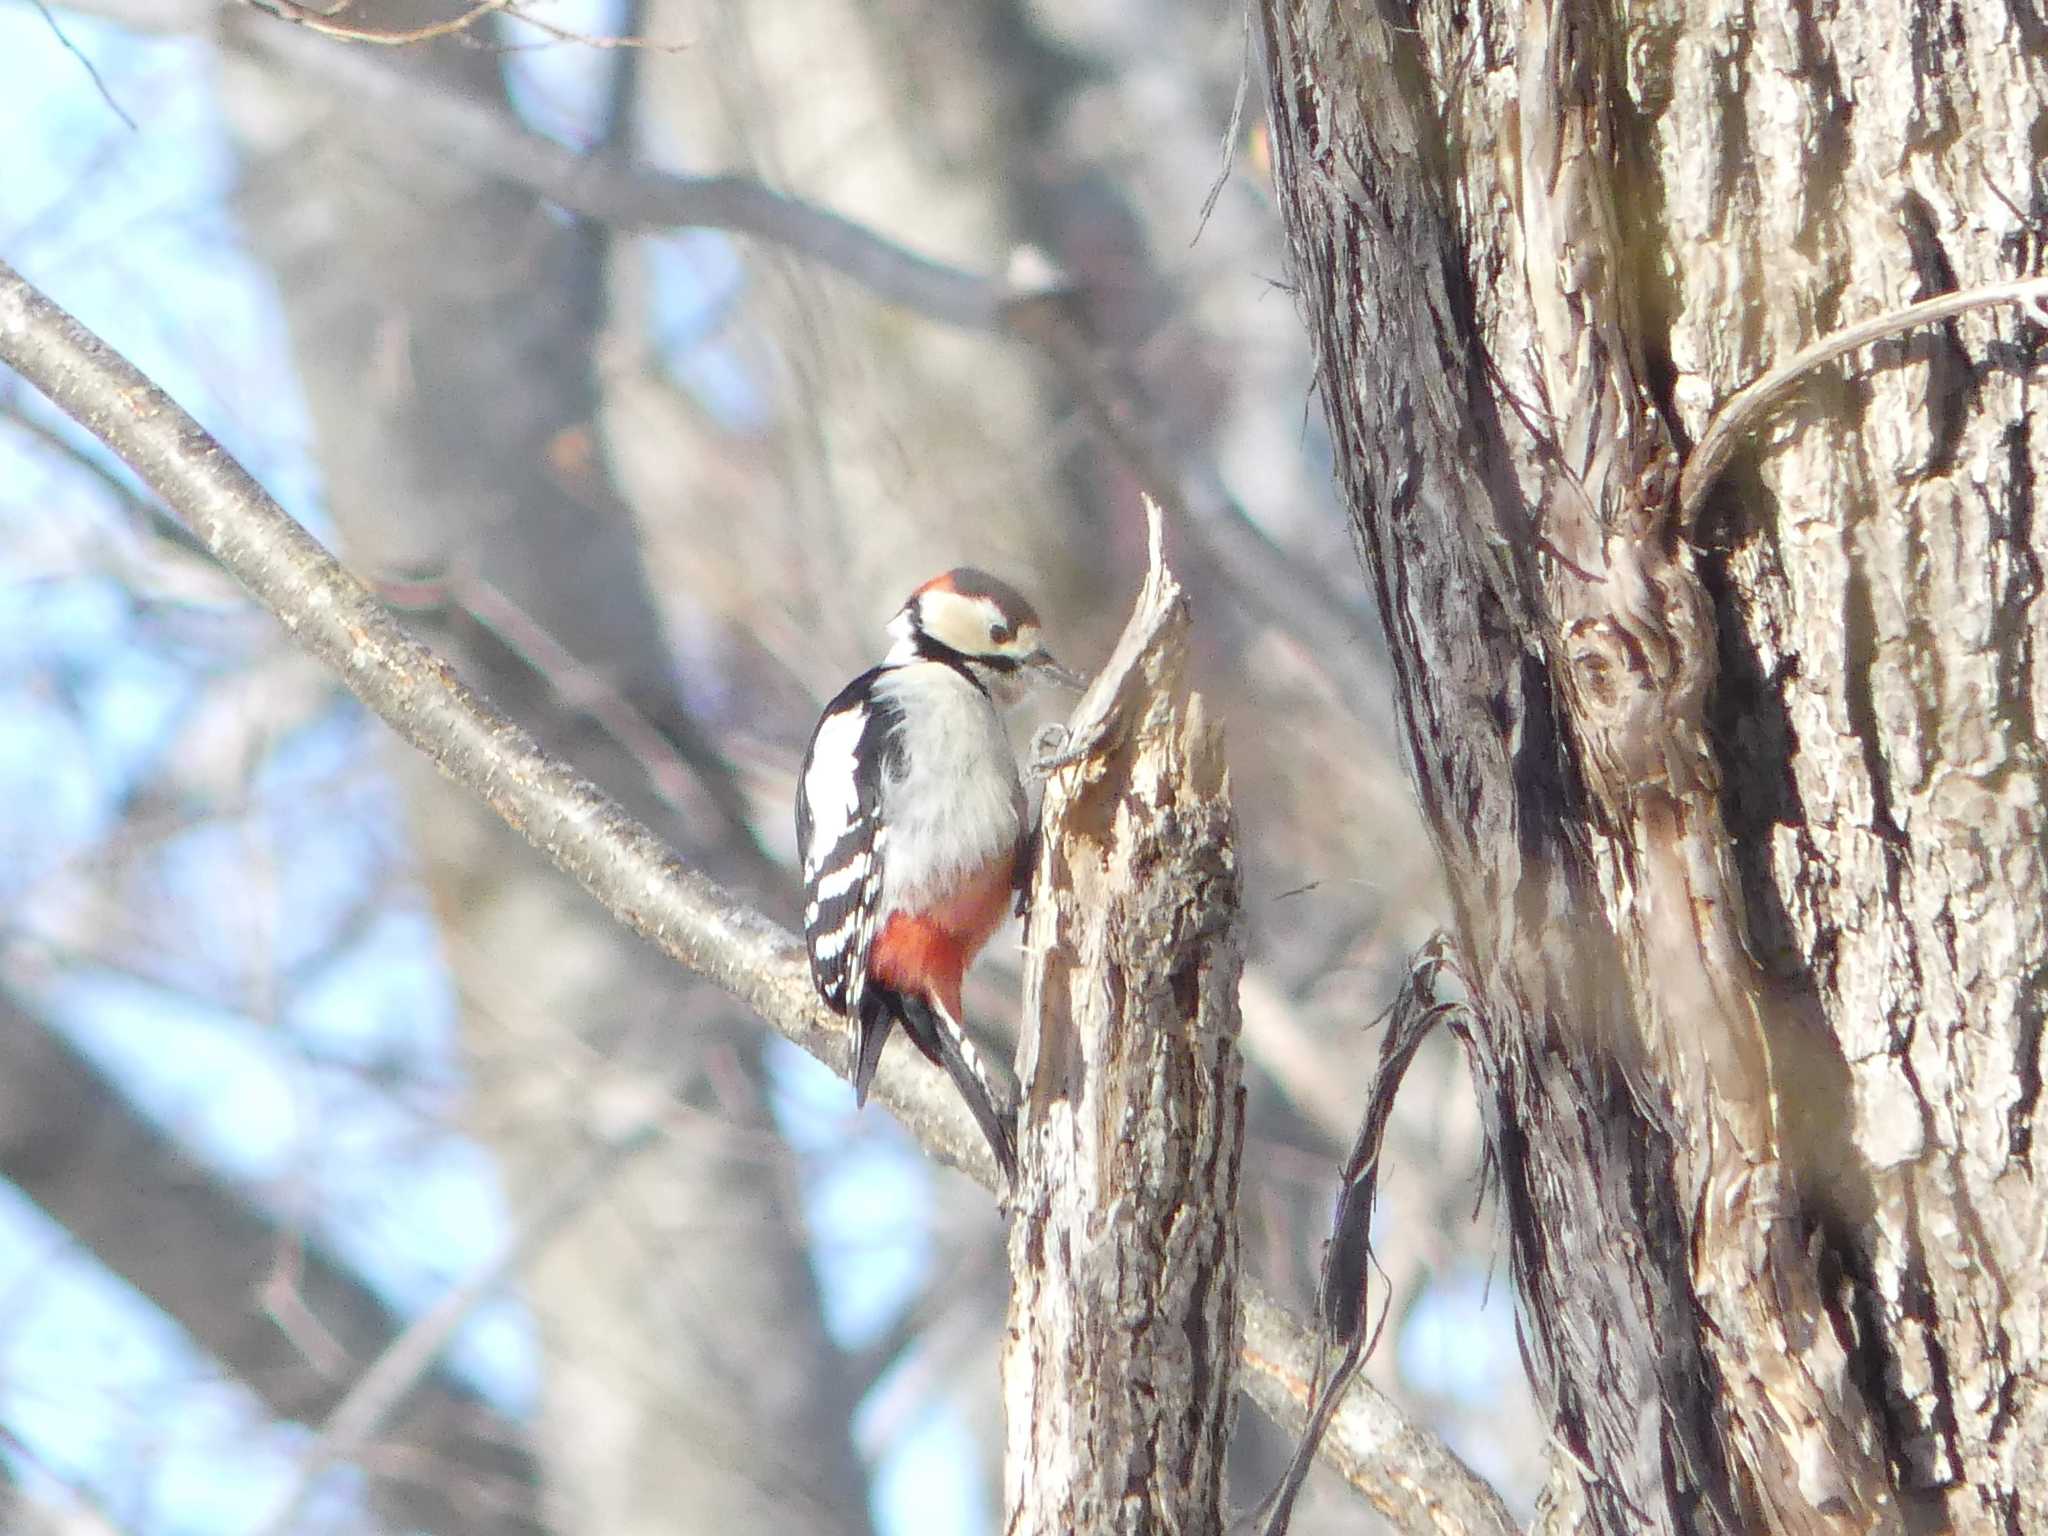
(1119, 1371)
(1742, 820)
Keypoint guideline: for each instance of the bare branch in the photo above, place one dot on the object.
(1311, 1071)
(147, 515)
(155, 1215)
(391, 1378)
(152, 18)
(84, 1513)
(612, 856)
(91, 71)
(631, 195)
(1289, 594)
(332, 615)
(1403, 1471)
(315, 20)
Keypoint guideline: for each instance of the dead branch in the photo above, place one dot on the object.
(314, 19)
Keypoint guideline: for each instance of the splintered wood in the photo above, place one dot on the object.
(1120, 1356)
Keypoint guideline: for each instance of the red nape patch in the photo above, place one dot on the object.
(928, 953)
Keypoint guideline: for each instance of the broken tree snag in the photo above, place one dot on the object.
(1119, 1360)
(1631, 636)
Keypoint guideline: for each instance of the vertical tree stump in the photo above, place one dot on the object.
(1123, 1333)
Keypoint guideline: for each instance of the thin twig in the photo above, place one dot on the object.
(612, 856)
(1739, 413)
(404, 1364)
(317, 21)
(77, 53)
(1289, 594)
(86, 1517)
(1231, 130)
(147, 514)
(631, 40)
(580, 687)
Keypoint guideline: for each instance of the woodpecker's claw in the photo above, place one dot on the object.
(1047, 745)
(1055, 747)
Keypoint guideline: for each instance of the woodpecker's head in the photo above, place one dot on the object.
(970, 617)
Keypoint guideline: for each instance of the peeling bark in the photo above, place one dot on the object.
(1119, 1364)
(1627, 629)
(1742, 823)
(1441, 525)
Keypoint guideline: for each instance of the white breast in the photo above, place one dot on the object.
(955, 803)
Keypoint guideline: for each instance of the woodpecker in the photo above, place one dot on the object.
(911, 823)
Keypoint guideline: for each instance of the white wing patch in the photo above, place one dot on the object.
(910, 760)
(831, 784)
(839, 828)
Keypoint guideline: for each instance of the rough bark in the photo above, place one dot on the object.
(1627, 627)
(1389, 309)
(1119, 1368)
(1877, 576)
(1745, 841)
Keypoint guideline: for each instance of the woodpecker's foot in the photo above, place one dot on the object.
(1055, 747)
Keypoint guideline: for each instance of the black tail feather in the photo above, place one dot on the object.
(945, 1043)
(871, 1033)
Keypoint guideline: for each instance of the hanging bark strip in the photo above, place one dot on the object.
(1342, 1291)
(1118, 1369)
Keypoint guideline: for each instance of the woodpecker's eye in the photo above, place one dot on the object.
(1001, 631)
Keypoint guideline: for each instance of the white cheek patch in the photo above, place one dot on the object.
(960, 622)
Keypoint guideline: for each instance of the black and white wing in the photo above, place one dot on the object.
(841, 840)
